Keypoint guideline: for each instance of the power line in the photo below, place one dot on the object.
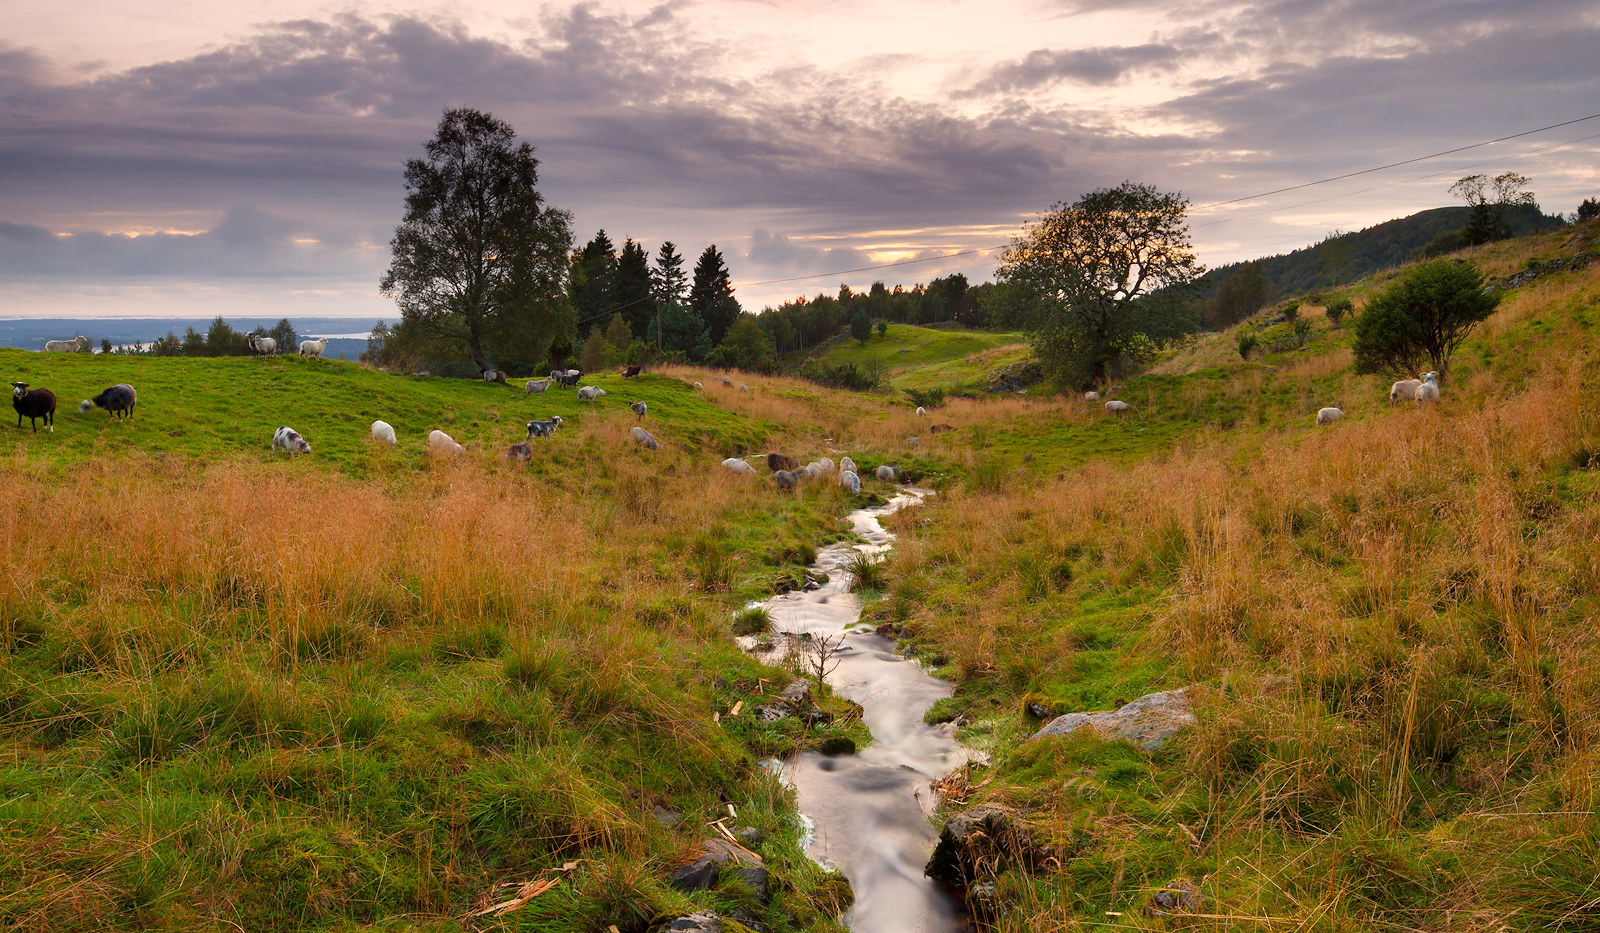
(1368, 171)
(902, 262)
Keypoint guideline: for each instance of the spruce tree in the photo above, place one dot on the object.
(594, 281)
(635, 290)
(711, 295)
(671, 282)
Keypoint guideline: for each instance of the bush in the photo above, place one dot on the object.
(1302, 332)
(1291, 311)
(1338, 307)
(926, 398)
(1247, 342)
(1589, 209)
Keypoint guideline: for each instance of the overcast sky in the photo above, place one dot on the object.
(175, 157)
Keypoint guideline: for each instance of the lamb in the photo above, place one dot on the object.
(289, 440)
(643, 438)
(639, 409)
(543, 428)
(887, 472)
(265, 346)
(313, 348)
(849, 480)
(76, 345)
(1428, 391)
(1117, 407)
(494, 375)
(1091, 396)
(442, 443)
(786, 479)
(847, 465)
(383, 433)
(520, 453)
(1404, 391)
(118, 400)
(739, 467)
(35, 404)
(535, 385)
(1328, 416)
(922, 412)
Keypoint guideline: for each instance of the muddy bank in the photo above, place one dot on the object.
(871, 809)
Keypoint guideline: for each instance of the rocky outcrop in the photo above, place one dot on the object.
(1147, 722)
(716, 857)
(1014, 378)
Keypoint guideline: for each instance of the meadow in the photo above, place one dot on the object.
(374, 689)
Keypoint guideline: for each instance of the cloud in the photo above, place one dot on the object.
(1097, 66)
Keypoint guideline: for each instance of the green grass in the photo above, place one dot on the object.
(925, 357)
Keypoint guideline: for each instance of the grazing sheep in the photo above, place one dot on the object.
(313, 348)
(922, 412)
(265, 346)
(735, 465)
(887, 472)
(628, 372)
(849, 480)
(75, 345)
(744, 388)
(776, 462)
(847, 465)
(1091, 396)
(643, 438)
(118, 400)
(535, 385)
(1428, 391)
(543, 428)
(442, 443)
(494, 375)
(1328, 416)
(940, 429)
(383, 432)
(1117, 407)
(520, 452)
(726, 383)
(569, 379)
(289, 440)
(35, 404)
(1404, 391)
(786, 479)
(698, 386)
(590, 393)
(638, 409)
(556, 374)
(826, 464)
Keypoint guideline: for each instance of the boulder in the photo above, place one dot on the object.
(1147, 722)
(797, 694)
(750, 837)
(974, 843)
(701, 921)
(715, 855)
(1180, 896)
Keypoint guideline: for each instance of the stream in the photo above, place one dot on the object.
(871, 810)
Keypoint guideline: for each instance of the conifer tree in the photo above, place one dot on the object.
(711, 295)
(636, 290)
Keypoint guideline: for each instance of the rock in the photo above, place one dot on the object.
(811, 586)
(986, 835)
(698, 875)
(816, 717)
(770, 712)
(1147, 722)
(983, 902)
(666, 817)
(750, 920)
(754, 878)
(1180, 896)
(701, 921)
(837, 745)
(715, 854)
(750, 837)
(798, 693)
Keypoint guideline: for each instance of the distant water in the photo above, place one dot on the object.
(347, 336)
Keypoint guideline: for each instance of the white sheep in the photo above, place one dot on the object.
(639, 408)
(265, 346)
(312, 349)
(442, 443)
(1404, 391)
(535, 385)
(744, 388)
(289, 440)
(1428, 391)
(75, 345)
(922, 412)
(1091, 396)
(544, 428)
(589, 393)
(643, 438)
(827, 465)
(849, 480)
(1117, 407)
(383, 432)
(737, 466)
(847, 465)
(698, 386)
(1328, 416)
(886, 473)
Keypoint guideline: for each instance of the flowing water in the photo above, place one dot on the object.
(871, 809)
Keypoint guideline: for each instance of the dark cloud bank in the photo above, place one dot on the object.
(294, 139)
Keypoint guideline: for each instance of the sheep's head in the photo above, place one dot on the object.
(85, 407)
(19, 389)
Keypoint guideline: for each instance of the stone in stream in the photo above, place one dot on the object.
(701, 921)
(1147, 722)
(715, 855)
(986, 836)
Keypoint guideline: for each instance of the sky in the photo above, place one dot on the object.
(179, 158)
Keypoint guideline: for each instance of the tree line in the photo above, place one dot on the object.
(220, 339)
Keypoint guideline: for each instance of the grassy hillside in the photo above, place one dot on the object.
(1388, 627)
(924, 357)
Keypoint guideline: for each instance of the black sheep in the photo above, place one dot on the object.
(39, 403)
(118, 400)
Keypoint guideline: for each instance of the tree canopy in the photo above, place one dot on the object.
(479, 261)
(1105, 279)
(1420, 319)
(1490, 199)
(711, 295)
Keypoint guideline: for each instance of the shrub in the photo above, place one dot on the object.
(1338, 306)
(1247, 342)
(1291, 311)
(1302, 332)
